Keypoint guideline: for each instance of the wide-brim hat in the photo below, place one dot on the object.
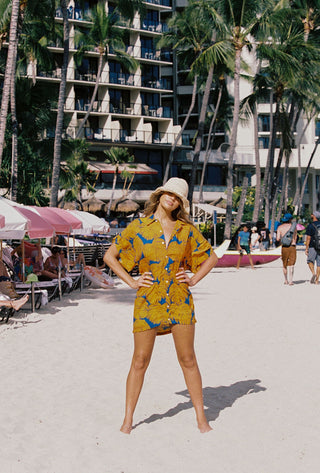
(178, 187)
(287, 217)
(316, 213)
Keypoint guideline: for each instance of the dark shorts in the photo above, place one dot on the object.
(288, 255)
(313, 256)
(246, 248)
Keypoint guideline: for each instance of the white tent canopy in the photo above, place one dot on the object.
(206, 210)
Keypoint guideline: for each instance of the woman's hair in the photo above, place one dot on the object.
(55, 250)
(152, 204)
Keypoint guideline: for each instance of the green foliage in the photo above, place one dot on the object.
(75, 173)
(249, 204)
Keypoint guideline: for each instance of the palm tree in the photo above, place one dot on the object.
(75, 173)
(9, 71)
(103, 36)
(194, 36)
(117, 156)
(242, 18)
(60, 111)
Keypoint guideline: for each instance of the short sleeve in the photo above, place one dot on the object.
(126, 245)
(199, 249)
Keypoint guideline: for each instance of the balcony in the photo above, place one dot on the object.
(160, 112)
(127, 136)
(88, 76)
(164, 84)
(125, 108)
(153, 26)
(164, 3)
(122, 78)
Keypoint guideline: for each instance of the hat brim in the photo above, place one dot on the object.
(162, 190)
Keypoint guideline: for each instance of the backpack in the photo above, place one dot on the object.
(287, 237)
(316, 238)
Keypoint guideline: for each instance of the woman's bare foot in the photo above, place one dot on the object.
(204, 427)
(126, 428)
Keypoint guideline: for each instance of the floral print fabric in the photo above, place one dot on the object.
(167, 301)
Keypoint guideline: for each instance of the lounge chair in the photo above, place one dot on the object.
(9, 306)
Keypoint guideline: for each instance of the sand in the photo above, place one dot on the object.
(64, 368)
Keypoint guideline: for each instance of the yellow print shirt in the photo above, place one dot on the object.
(167, 301)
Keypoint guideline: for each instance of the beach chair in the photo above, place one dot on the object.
(9, 306)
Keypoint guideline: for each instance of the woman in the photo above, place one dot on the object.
(56, 261)
(255, 238)
(164, 243)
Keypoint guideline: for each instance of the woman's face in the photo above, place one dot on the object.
(169, 202)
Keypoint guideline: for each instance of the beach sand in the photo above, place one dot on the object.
(63, 373)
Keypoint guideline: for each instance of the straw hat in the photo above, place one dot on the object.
(178, 187)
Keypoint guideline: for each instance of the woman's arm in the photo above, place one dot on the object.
(111, 259)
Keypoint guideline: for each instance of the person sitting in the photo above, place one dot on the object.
(55, 262)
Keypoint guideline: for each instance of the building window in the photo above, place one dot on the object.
(317, 131)
(264, 123)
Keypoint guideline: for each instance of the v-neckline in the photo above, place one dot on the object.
(167, 242)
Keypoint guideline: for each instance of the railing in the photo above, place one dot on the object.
(81, 104)
(89, 75)
(122, 78)
(156, 84)
(160, 112)
(165, 3)
(153, 26)
(126, 136)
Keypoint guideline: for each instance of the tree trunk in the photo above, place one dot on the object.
(9, 72)
(299, 174)
(242, 201)
(269, 177)
(267, 168)
(112, 191)
(14, 124)
(233, 142)
(305, 180)
(209, 141)
(93, 98)
(60, 113)
(257, 197)
(192, 104)
(198, 145)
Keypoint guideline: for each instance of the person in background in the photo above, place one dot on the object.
(288, 253)
(313, 255)
(255, 238)
(265, 237)
(244, 245)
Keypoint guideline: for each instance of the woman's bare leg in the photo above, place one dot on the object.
(143, 346)
(183, 336)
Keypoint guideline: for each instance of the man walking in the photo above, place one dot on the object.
(312, 246)
(287, 237)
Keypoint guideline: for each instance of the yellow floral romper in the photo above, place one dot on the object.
(167, 301)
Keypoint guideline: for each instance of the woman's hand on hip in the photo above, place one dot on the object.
(182, 276)
(145, 280)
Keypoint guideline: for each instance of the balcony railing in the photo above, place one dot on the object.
(126, 136)
(82, 104)
(122, 78)
(153, 26)
(165, 3)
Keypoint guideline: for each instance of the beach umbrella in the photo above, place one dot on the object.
(37, 227)
(91, 223)
(125, 205)
(15, 223)
(94, 205)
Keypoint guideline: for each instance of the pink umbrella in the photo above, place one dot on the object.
(300, 227)
(37, 227)
(60, 224)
